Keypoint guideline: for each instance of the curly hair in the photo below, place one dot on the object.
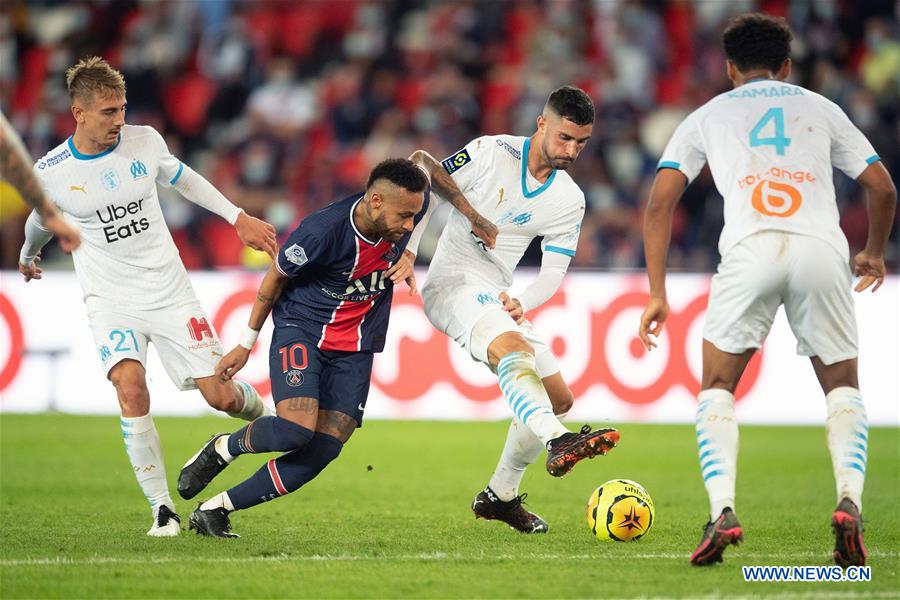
(399, 171)
(757, 41)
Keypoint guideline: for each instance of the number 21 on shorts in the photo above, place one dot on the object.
(779, 140)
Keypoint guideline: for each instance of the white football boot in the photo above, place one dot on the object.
(165, 522)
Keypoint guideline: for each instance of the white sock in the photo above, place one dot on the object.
(717, 443)
(524, 392)
(219, 501)
(221, 447)
(145, 453)
(847, 427)
(253, 405)
(522, 448)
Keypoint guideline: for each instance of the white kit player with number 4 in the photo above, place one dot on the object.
(770, 146)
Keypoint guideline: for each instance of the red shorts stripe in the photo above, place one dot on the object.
(276, 478)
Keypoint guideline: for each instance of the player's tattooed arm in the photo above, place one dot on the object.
(269, 291)
(14, 164)
(443, 184)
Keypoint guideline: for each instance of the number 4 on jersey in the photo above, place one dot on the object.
(778, 140)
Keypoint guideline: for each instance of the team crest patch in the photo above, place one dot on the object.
(138, 169)
(110, 179)
(105, 353)
(485, 298)
(392, 254)
(297, 255)
(457, 161)
(294, 378)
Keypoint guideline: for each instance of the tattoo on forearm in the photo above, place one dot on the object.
(264, 299)
(16, 170)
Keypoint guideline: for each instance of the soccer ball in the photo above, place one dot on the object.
(620, 510)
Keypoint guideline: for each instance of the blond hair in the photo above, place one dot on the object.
(91, 75)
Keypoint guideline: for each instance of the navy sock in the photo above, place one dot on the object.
(286, 473)
(268, 434)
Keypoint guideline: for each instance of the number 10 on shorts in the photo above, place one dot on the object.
(293, 357)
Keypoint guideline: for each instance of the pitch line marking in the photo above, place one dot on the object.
(430, 556)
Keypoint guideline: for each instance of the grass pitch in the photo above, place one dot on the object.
(72, 519)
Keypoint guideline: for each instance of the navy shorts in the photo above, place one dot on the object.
(299, 369)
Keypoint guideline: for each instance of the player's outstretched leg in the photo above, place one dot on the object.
(848, 539)
(487, 505)
(717, 447)
(525, 393)
(253, 406)
(266, 434)
(718, 534)
(276, 478)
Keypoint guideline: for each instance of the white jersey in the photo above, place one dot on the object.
(127, 258)
(771, 147)
(492, 172)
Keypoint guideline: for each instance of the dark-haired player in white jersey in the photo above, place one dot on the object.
(136, 290)
(521, 185)
(771, 146)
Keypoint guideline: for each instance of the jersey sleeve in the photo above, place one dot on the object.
(303, 248)
(470, 163)
(851, 152)
(685, 151)
(169, 168)
(563, 237)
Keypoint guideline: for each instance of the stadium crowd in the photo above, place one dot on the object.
(285, 106)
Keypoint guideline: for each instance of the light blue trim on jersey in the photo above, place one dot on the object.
(565, 251)
(545, 185)
(83, 156)
(178, 174)
(872, 159)
(668, 164)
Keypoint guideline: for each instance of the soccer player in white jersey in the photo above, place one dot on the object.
(135, 287)
(771, 146)
(521, 185)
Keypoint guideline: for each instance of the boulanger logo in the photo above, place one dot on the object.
(775, 199)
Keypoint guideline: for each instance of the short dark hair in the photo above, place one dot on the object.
(757, 41)
(399, 171)
(572, 103)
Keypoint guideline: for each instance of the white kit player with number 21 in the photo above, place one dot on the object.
(770, 146)
(521, 185)
(135, 287)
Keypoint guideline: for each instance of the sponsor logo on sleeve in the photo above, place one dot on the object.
(457, 161)
(296, 254)
(55, 159)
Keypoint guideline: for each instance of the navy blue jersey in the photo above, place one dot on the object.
(336, 291)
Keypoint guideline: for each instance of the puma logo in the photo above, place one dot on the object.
(500, 201)
(78, 188)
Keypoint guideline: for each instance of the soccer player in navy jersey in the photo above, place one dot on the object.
(330, 295)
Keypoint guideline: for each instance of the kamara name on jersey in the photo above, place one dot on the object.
(113, 212)
(776, 91)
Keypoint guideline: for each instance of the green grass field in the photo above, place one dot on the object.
(72, 519)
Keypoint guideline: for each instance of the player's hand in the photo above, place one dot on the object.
(513, 307)
(32, 271)
(232, 362)
(652, 321)
(484, 230)
(66, 234)
(402, 270)
(870, 269)
(257, 234)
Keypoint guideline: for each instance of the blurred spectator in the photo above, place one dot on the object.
(287, 105)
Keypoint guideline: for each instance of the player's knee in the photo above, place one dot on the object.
(291, 435)
(506, 344)
(301, 467)
(223, 396)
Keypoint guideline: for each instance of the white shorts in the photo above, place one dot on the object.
(474, 317)
(805, 274)
(184, 339)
